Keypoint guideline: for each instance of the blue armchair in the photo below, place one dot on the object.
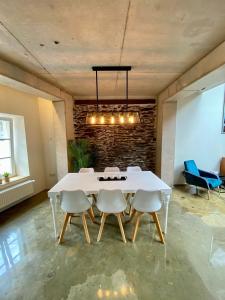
(200, 178)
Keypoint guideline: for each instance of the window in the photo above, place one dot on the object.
(6, 146)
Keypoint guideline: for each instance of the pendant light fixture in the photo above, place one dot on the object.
(124, 117)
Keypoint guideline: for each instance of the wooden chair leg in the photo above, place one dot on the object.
(155, 218)
(94, 197)
(131, 211)
(104, 215)
(127, 196)
(91, 215)
(121, 227)
(132, 216)
(136, 226)
(85, 228)
(70, 219)
(67, 216)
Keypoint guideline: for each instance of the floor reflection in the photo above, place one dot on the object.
(124, 291)
(217, 252)
(10, 251)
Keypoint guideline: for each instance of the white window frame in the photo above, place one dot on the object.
(11, 139)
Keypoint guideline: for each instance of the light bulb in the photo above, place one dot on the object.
(102, 120)
(131, 119)
(123, 290)
(93, 120)
(100, 293)
(112, 120)
(122, 119)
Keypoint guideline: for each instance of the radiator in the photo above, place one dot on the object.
(16, 193)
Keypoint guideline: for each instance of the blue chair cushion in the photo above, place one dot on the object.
(191, 167)
(213, 182)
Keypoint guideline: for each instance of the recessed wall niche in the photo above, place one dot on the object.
(120, 145)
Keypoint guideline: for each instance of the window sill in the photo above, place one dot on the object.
(13, 181)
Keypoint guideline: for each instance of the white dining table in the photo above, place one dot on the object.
(89, 183)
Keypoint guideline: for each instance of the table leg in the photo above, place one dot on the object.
(166, 208)
(53, 206)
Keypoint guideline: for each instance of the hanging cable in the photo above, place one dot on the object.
(96, 77)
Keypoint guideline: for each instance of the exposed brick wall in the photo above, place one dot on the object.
(120, 146)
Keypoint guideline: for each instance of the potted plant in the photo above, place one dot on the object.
(6, 176)
(81, 154)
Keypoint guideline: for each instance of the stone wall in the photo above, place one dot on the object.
(123, 145)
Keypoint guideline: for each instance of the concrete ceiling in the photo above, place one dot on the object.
(159, 39)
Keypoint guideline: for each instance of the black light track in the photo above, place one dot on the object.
(111, 68)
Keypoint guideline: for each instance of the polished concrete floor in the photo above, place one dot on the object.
(190, 266)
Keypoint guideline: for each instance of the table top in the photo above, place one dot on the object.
(89, 183)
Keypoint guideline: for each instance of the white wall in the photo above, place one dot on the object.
(26, 105)
(168, 141)
(46, 113)
(60, 139)
(198, 131)
(54, 139)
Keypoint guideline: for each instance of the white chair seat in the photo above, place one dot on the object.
(134, 169)
(112, 169)
(111, 201)
(86, 170)
(145, 201)
(75, 201)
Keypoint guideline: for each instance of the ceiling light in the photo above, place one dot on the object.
(124, 117)
(112, 120)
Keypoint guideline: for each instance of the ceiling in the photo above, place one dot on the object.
(61, 40)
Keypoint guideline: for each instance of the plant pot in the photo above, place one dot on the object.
(6, 179)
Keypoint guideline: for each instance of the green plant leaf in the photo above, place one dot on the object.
(80, 153)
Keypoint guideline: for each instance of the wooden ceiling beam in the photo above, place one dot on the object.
(116, 101)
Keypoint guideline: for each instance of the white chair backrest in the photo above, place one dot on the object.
(134, 169)
(74, 201)
(147, 201)
(86, 170)
(111, 201)
(112, 169)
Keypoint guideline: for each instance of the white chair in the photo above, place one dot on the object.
(111, 202)
(112, 169)
(86, 170)
(76, 202)
(134, 169)
(146, 202)
(129, 195)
